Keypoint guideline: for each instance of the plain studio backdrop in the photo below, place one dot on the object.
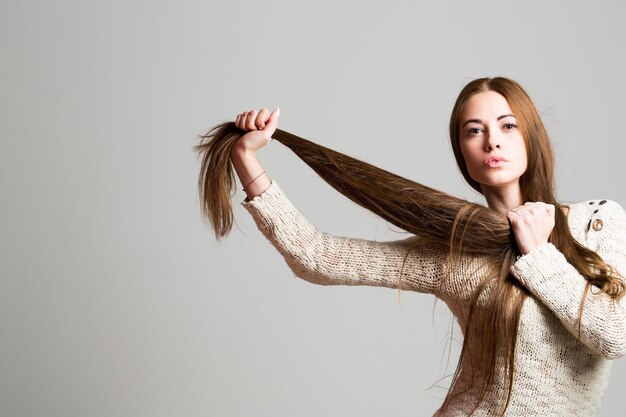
(115, 297)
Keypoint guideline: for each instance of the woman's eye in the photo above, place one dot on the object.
(473, 130)
(510, 125)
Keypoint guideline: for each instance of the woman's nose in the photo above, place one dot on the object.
(492, 141)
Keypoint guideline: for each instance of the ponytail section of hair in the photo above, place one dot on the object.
(413, 207)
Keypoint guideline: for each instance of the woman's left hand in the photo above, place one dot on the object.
(532, 224)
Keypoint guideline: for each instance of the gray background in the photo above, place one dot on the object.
(115, 298)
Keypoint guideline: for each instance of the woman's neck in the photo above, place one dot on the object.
(503, 198)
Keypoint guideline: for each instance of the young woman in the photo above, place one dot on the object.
(535, 285)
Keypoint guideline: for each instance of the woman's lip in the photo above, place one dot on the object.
(495, 163)
(495, 158)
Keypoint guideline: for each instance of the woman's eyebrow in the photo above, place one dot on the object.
(480, 121)
(472, 120)
(505, 115)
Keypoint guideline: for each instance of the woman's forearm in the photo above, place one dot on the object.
(248, 168)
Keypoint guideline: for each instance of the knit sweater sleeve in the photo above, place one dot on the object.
(551, 278)
(321, 258)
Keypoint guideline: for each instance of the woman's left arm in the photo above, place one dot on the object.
(548, 275)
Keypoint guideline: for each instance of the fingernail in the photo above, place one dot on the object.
(277, 111)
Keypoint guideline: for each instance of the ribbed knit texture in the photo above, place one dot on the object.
(555, 374)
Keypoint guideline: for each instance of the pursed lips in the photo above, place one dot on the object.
(494, 159)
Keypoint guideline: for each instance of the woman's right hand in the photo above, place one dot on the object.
(260, 126)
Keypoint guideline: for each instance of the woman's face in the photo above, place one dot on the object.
(488, 130)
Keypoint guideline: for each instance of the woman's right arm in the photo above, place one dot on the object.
(319, 257)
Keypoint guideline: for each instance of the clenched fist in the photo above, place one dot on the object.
(260, 126)
(532, 224)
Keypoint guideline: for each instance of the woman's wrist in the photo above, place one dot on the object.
(254, 179)
(258, 186)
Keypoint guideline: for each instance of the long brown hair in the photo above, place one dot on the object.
(455, 225)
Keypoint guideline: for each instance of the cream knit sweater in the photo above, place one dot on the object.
(556, 375)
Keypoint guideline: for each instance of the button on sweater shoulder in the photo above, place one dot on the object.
(556, 374)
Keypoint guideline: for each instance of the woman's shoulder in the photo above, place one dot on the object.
(594, 215)
(593, 206)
